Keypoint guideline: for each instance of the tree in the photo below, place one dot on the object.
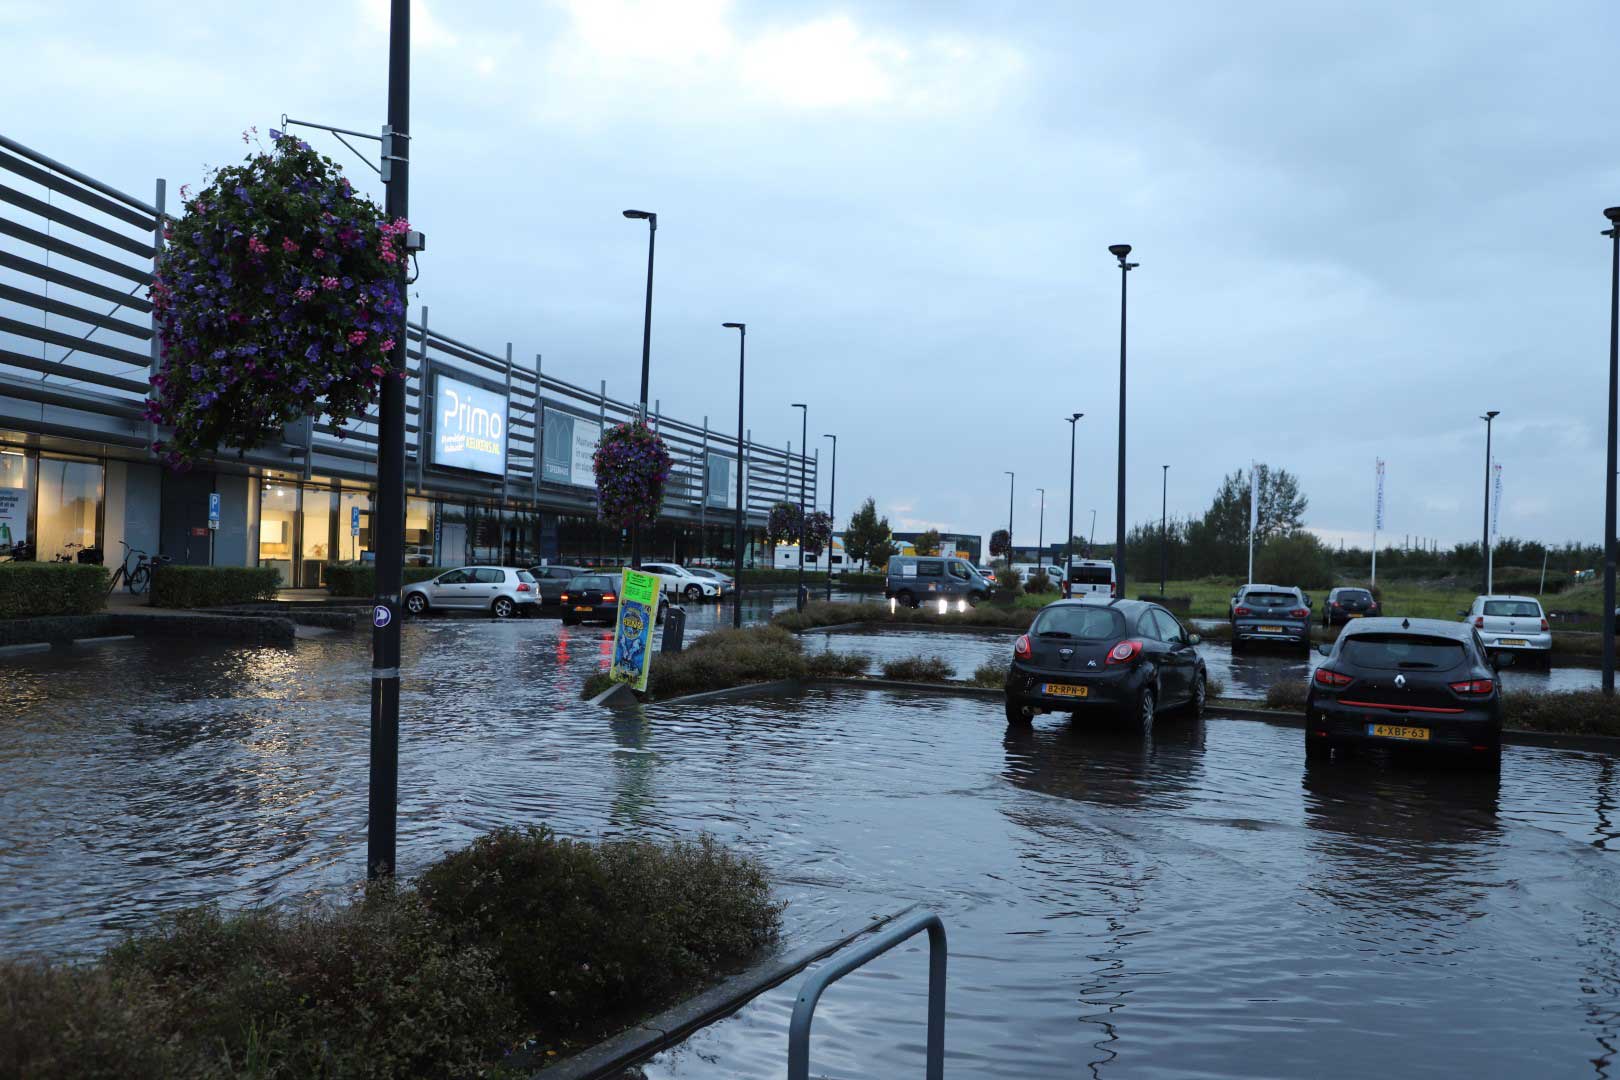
(1000, 541)
(817, 533)
(1219, 543)
(782, 527)
(1297, 559)
(867, 537)
(927, 543)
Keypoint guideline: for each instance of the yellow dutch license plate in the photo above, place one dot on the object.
(583, 607)
(1271, 629)
(1397, 731)
(1355, 614)
(1513, 641)
(1064, 690)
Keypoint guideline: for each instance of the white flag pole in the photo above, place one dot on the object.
(1254, 513)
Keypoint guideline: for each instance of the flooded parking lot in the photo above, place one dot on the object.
(1195, 904)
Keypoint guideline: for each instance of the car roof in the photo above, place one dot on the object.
(1445, 628)
(1507, 596)
(1120, 604)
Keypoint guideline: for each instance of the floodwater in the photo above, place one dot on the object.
(1198, 903)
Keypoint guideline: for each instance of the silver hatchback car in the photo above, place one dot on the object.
(500, 590)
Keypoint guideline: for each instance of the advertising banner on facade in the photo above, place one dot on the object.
(568, 449)
(632, 632)
(721, 470)
(469, 429)
(13, 518)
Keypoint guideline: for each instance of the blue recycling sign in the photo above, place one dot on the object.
(213, 510)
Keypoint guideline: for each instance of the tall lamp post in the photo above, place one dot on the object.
(1485, 530)
(646, 352)
(832, 497)
(1068, 537)
(383, 789)
(804, 435)
(1164, 531)
(1613, 214)
(1119, 251)
(1012, 482)
(737, 571)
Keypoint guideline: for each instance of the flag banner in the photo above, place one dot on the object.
(1496, 501)
(1254, 498)
(1378, 507)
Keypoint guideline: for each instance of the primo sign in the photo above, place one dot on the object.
(469, 430)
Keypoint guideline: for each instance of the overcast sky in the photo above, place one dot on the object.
(1359, 225)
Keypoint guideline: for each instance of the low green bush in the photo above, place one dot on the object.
(1008, 580)
(1575, 712)
(722, 659)
(585, 932)
(1039, 582)
(1288, 694)
(819, 613)
(836, 665)
(991, 674)
(175, 586)
(30, 589)
(918, 669)
(596, 684)
(359, 579)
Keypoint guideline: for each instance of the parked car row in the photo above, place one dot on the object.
(1411, 683)
(576, 592)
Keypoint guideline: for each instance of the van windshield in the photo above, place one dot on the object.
(1087, 621)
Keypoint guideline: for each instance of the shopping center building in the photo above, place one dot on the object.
(498, 449)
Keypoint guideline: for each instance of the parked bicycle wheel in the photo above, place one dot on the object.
(140, 578)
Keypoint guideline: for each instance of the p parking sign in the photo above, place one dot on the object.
(213, 510)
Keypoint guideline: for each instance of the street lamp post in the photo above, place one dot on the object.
(832, 497)
(804, 435)
(1068, 537)
(646, 352)
(737, 571)
(1613, 214)
(1012, 482)
(1485, 530)
(1164, 532)
(382, 826)
(1119, 251)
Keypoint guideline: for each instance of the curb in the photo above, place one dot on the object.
(676, 1024)
(1552, 740)
(946, 628)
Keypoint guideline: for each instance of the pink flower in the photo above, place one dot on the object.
(304, 294)
(387, 345)
(329, 282)
(257, 246)
(288, 246)
(319, 253)
(376, 369)
(357, 337)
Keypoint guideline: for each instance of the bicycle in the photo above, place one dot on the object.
(138, 579)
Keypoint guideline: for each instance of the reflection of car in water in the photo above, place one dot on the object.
(1108, 768)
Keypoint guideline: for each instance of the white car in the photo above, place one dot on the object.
(1511, 624)
(679, 582)
(500, 590)
(725, 581)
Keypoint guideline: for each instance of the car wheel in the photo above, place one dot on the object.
(503, 608)
(570, 620)
(416, 603)
(693, 594)
(905, 599)
(1317, 748)
(1195, 704)
(1019, 716)
(1142, 713)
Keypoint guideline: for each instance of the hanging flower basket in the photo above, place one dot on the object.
(632, 465)
(277, 295)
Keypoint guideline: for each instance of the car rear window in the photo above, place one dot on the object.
(1270, 599)
(1090, 575)
(524, 575)
(1403, 651)
(593, 581)
(1080, 621)
(1514, 609)
(1354, 594)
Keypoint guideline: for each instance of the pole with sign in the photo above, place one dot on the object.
(632, 630)
(213, 523)
(1378, 519)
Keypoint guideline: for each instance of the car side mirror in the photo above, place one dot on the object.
(1325, 649)
(1194, 639)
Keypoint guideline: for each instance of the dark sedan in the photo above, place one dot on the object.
(1411, 683)
(590, 597)
(1344, 604)
(1126, 658)
(1272, 613)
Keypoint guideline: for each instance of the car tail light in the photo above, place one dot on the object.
(1328, 677)
(1113, 589)
(1240, 612)
(1479, 622)
(523, 586)
(1021, 649)
(1543, 626)
(563, 598)
(609, 598)
(1337, 604)
(1474, 687)
(1300, 613)
(1124, 652)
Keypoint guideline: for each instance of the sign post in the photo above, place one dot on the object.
(639, 594)
(213, 523)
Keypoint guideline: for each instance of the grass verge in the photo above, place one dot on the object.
(521, 939)
(919, 669)
(821, 613)
(722, 659)
(1570, 712)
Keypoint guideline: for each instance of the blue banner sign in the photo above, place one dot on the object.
(469, 430)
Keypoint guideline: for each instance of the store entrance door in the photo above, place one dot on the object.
(183, 532)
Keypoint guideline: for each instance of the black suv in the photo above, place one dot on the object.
(1126, 657)
(1410, 682)
(1346, 603)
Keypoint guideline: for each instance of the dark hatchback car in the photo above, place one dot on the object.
(590, 597)
(1345, 603)
(553, 579)
(1126, 658)
(1406, 682)
(1272, 613)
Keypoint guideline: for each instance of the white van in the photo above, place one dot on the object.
(1092, 579)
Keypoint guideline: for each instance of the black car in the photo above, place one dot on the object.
(1346, 603)
(588, 597)
(1271, 613)
(553, 580)
(1126, 657)
(1406, 682)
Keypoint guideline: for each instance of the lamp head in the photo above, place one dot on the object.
(734, 325)
(637, 214)
(1613, 214)
(1076, 416)
(799, 405)
(1491, 415)
(1119, 251)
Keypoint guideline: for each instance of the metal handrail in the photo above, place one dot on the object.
(811, 990)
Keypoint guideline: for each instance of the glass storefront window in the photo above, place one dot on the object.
(278, 511)
(69, 508)
(316, 546)
(350, 546)
(419, 532)
(452, 534)
(16, 502)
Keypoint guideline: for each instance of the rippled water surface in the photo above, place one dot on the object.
(1194, 904)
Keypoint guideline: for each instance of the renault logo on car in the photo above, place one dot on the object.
(1400, 681)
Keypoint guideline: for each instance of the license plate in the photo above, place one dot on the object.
(1064, 690)
(1271, 629)
(1396, 731)
(584, 607)
(1355, 614)
(1512, 641)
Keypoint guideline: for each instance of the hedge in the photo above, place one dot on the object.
(29, 589)
(360, 579)
(210, 586)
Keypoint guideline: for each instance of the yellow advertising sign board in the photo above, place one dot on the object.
(632, 633)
